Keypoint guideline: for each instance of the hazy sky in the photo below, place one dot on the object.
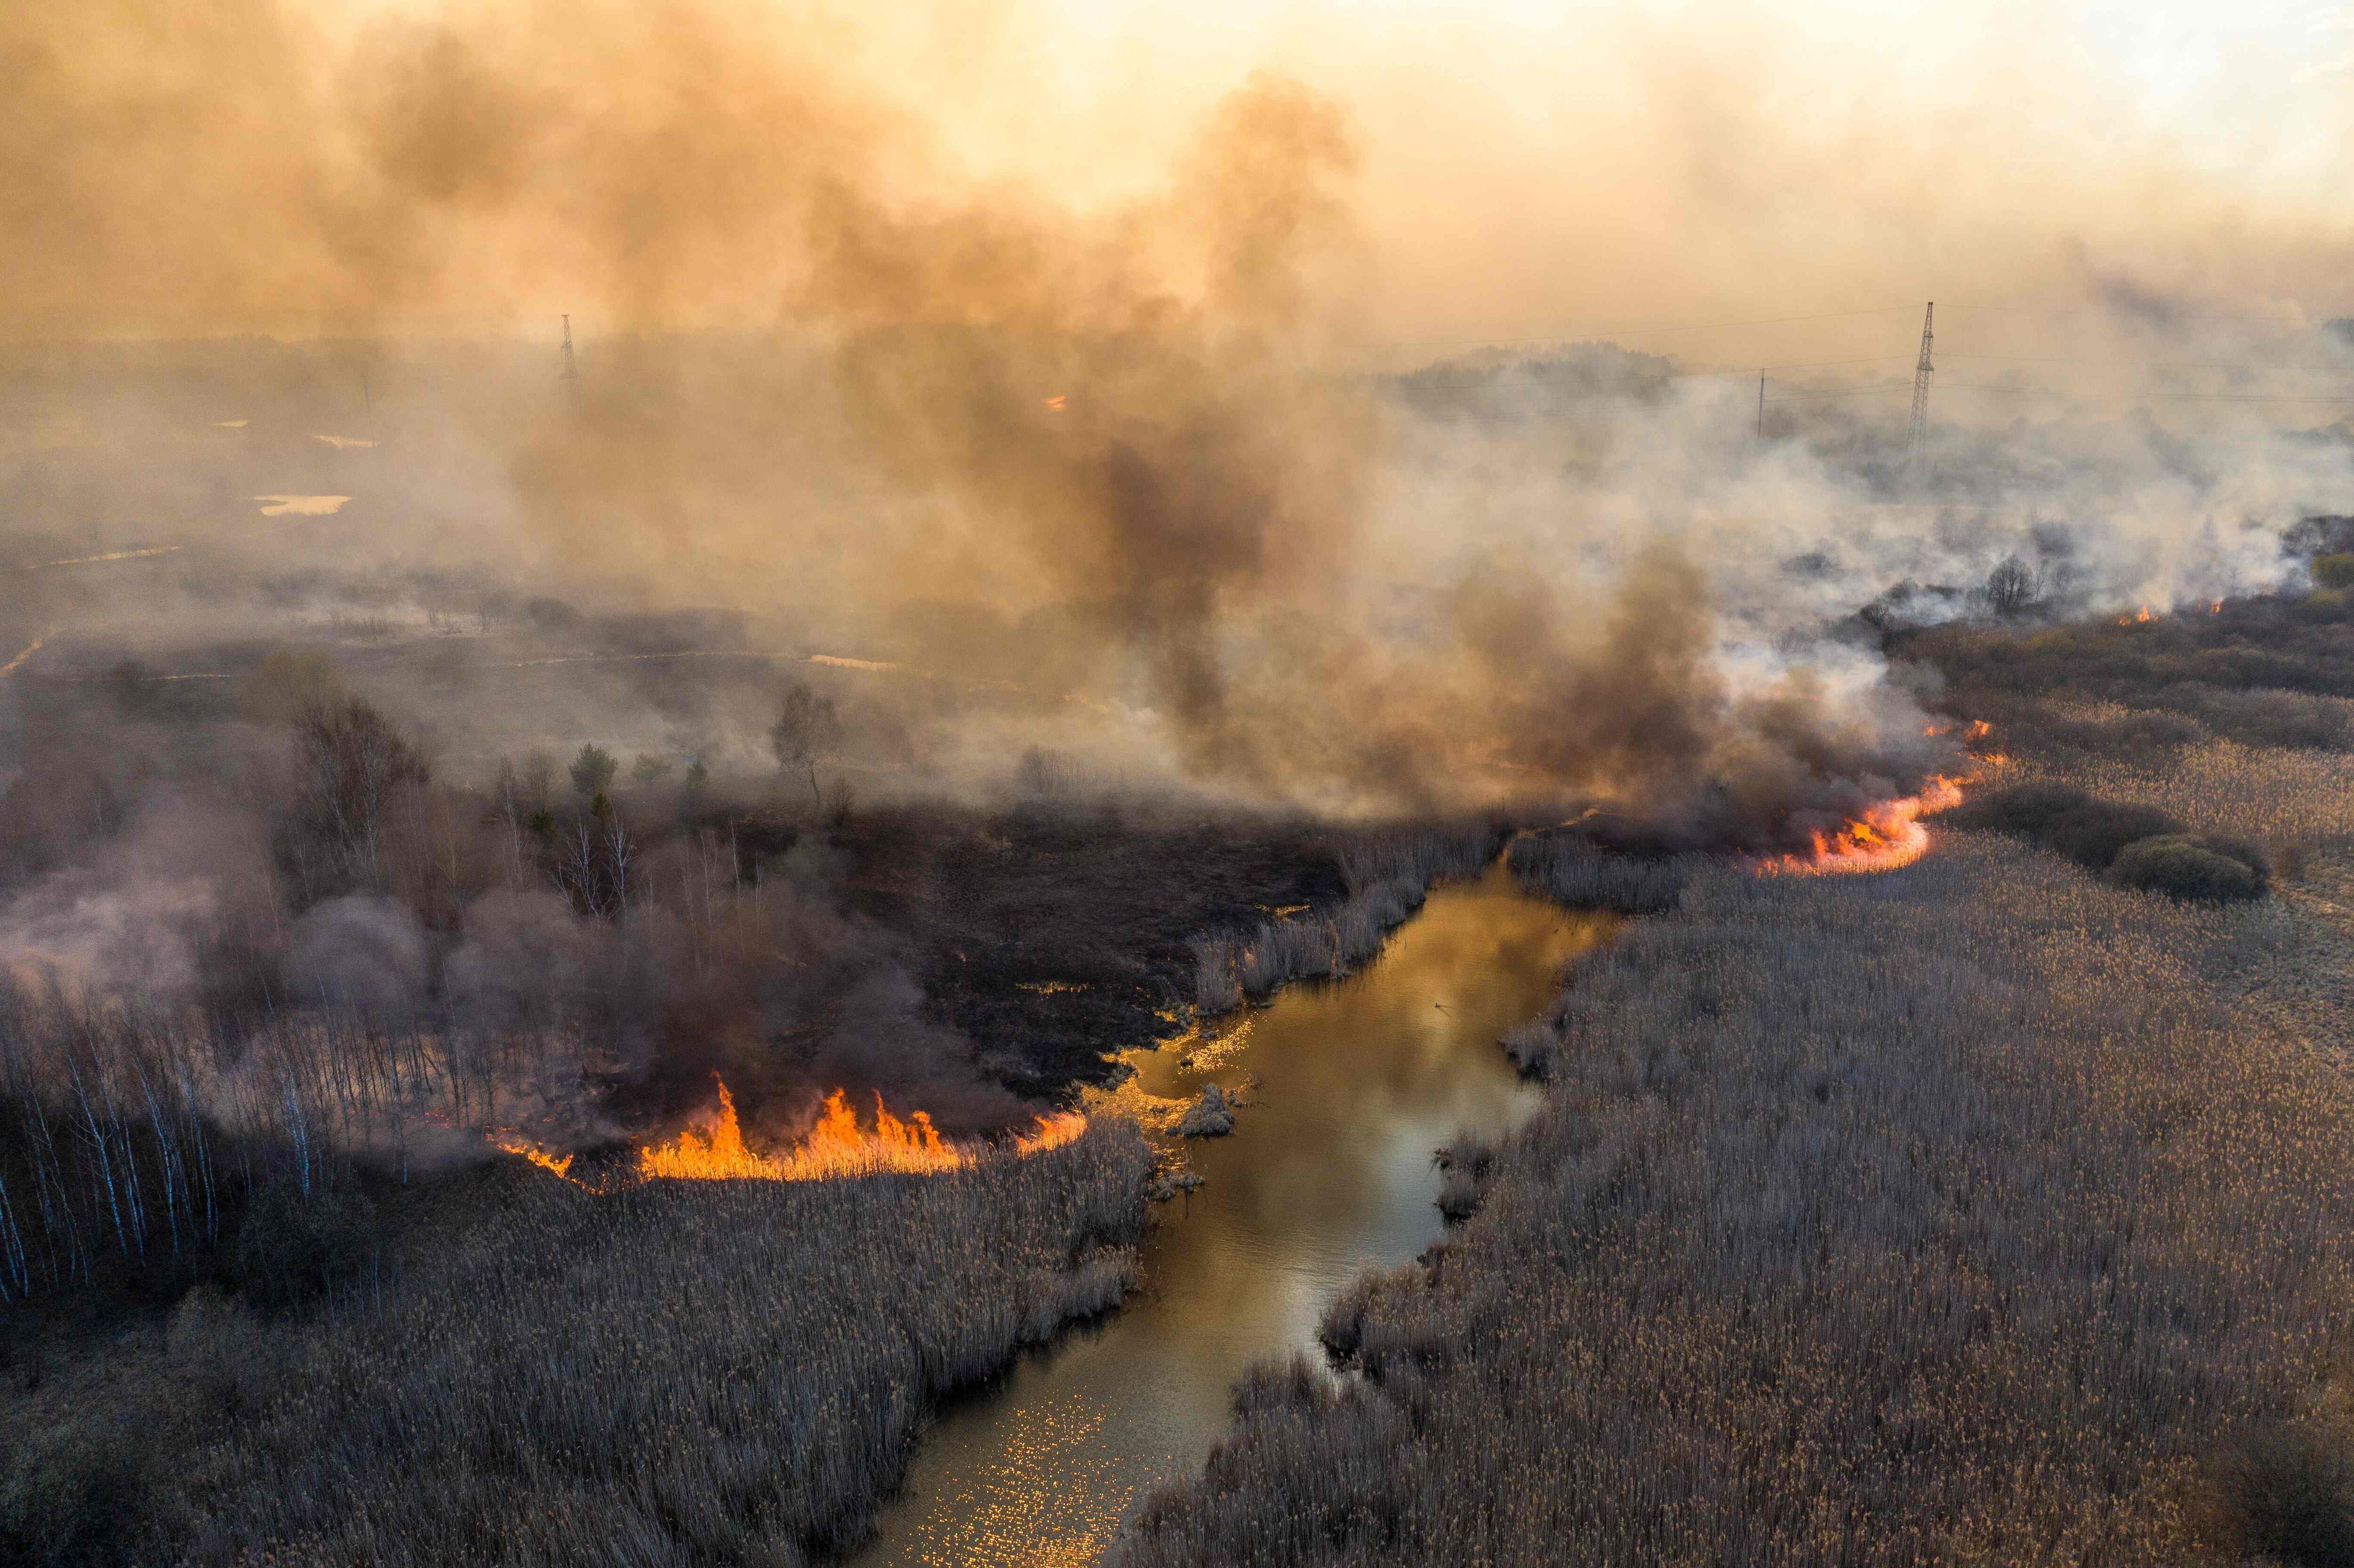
(1522, 169)
(1060, 291)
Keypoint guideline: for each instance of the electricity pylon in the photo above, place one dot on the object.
(571, 373)
(1920, 427)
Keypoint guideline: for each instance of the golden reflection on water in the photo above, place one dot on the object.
(1328, 1173)
(1019, 1507)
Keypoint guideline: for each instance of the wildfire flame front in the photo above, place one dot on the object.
(1885, 837)
(836, 1146)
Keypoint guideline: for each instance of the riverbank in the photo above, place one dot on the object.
(1329, 1170)
(147, 1418)
(1950, 1214)
(1982, 1211)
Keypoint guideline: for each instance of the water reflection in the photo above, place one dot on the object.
(1329, 1172)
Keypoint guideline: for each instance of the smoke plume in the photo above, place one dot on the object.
(900, 346)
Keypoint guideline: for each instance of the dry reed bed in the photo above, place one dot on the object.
(1388, 876)
(2286, 797)
(678, 1372)
(1934, 1217)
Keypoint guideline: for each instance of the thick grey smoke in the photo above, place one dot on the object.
(360, 954)
(140, 912)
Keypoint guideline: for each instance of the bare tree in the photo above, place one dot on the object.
(2010, 587)
(352, 763)
(806, 732)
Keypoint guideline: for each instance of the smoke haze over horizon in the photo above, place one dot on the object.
(1032, 346)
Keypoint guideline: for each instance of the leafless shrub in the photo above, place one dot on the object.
(1210, 1116)
(837, 802)
(2290, 857)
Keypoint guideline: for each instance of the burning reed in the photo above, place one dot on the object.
(836, 1147)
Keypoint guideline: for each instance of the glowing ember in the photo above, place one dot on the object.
(1885, 837)
(837, 1146)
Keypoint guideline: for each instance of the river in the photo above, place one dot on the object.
(1328, 1173)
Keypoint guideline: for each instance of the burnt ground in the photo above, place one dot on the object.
(1052, 938)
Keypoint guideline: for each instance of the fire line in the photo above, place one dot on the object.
(837, 1146)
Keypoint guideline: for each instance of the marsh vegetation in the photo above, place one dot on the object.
(1867, 1220)
(1988, 1209)
(524, 1371)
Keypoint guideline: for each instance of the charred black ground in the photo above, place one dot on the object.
(1049, 935)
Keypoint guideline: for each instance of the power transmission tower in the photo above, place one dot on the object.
(572, 373)
(1920, 383)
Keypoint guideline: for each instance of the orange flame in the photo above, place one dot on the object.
(836, 1146)
(537, 1156)
(1052, 1132)
(1885, 837)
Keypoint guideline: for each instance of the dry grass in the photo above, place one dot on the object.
(677, 1372)
(1944, 1216)
(1572, 871)
(2283, 797)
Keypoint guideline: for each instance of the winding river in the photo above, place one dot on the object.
(1328, 1173)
